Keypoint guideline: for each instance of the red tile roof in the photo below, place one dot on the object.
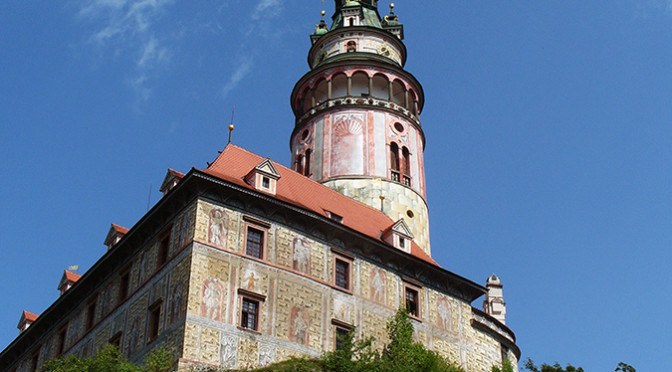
(71, 277)
(28, 316)
(119, 229)
(293, 188)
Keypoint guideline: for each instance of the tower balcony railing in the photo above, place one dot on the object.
(395, 176)
(359, 102)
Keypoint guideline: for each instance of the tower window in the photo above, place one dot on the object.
(351, 46)
(299, 164)
(407, 166)
(306, 169)
(394, 161)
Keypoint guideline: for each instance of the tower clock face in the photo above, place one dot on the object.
(384, 50)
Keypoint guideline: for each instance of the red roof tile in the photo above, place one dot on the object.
(234, 163)
(72, 277)
(29, 316)
(119, 229)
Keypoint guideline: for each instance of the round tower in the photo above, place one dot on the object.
(357, 111)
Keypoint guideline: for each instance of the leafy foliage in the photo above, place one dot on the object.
(624, 367)
(110, 359)
(506, 367)
(529, 365)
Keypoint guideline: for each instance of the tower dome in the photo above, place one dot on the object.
(357, 127)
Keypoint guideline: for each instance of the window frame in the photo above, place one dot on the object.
(252, 297)
(408, 286)
(348, 260)
(115, 340)
(163, 248)
(124, 283)
(62, 339)
(154, 320)
(91, 306)
(261, 227)
(339, 325)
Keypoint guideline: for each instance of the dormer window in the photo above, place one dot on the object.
(264, 177)
(114, 235)
(333, 216)
(399, 236)
(171, 180)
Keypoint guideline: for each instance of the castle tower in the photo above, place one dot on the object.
(494, 304)
(357, 110)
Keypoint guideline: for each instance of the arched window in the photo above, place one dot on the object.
(407, 166)
(307, 100)
(321, 92)
(306, 170)
(351, 46)
(398, 93)
(299, 163)
(360, 85)
(394, 161)
(380, 87)
(339, 86)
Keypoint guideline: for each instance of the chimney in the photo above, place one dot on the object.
(494, 304)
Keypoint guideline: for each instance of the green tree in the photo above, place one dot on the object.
(506, 367)
(110, 359)
(529, 365)
(624, 368)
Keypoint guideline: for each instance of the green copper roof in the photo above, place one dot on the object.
(370, 19)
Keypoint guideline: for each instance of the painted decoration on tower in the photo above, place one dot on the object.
(378, 288)
(219, 221)
(343, 310)
(212, 299)
(175, 307)
(443, 310)
(301, 253)
(347, 149)
(299, 323)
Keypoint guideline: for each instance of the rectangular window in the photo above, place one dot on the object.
(342, 274)
(62, 335)
(249, 316)
(35, 359)
(164, 248)
(116, 340)
(341, 330)
(154, 321)
(412, 296)
(255, 243)
(265, 182)
(124, 284)
(90, 315)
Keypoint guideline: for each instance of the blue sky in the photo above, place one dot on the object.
(549, 144)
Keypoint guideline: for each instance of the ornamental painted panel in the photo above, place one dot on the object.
(301, 253)
(228, 351)
(134, 336)
(299, 323)
(444, 312)
(175, 306)
(347, 145)
(212, 298)
(217, 229)
(378, 286)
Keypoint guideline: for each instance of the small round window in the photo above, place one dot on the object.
(398, 127)
(409, 213)
(304, 135)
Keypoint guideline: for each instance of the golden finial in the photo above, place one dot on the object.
(233, 110)
(391, 6)
(323, 13)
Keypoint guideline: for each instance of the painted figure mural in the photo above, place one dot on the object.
(211, 299)
(218, 227)
(301, 260)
